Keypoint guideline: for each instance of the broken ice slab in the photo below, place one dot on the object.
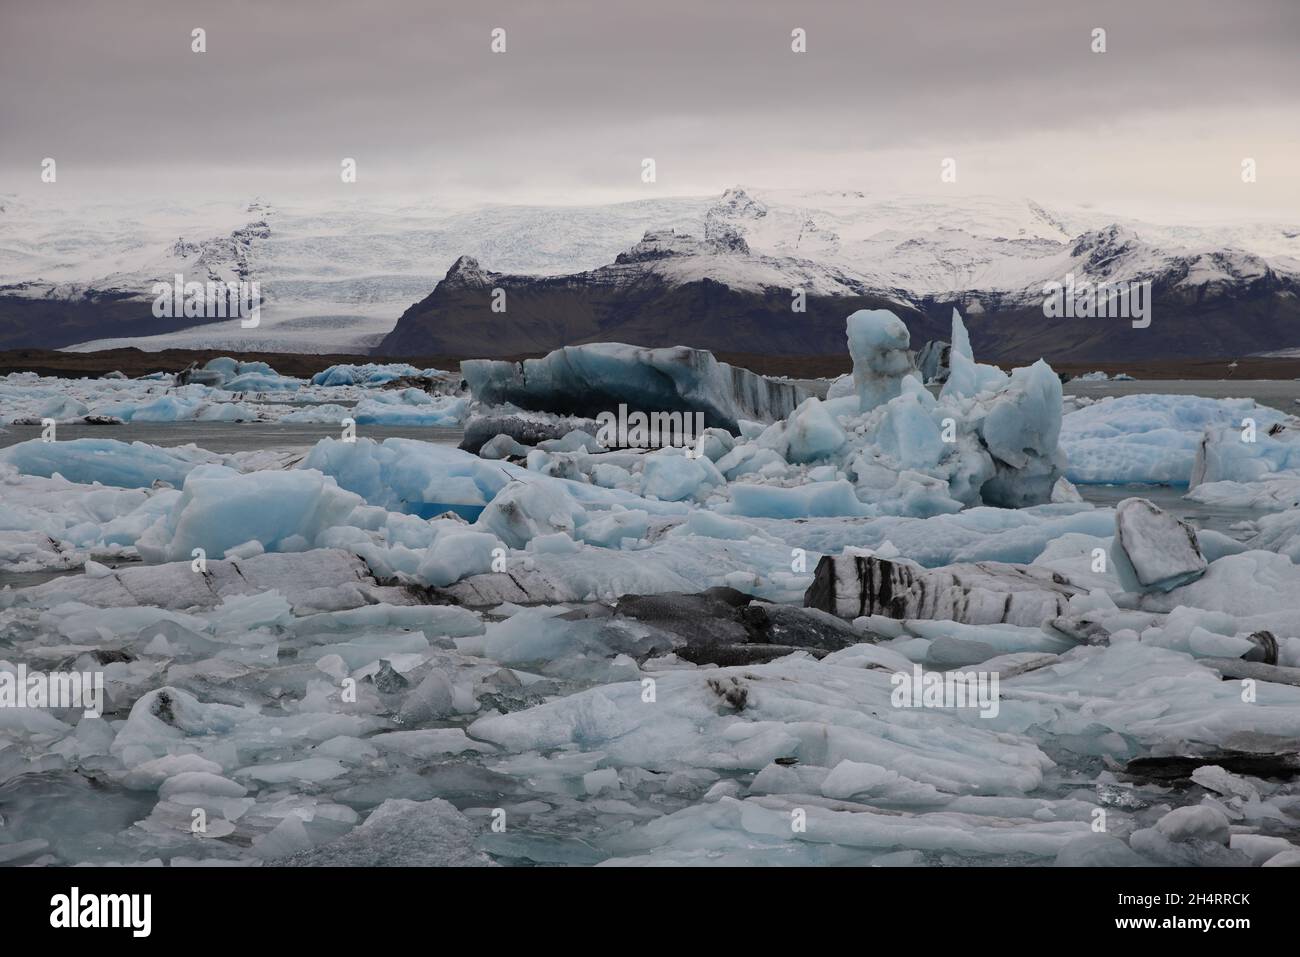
(316, 581)
(1153, 550)
(979, 593)
(1237, 668)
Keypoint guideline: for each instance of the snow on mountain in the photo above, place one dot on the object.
(334, 278)
(920, 248)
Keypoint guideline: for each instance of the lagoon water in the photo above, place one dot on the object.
(1280, 394)
(227, 437)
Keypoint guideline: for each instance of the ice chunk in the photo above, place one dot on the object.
(446, 412)
(200, 782)
(878, 342)
(671, 475)
(821, 498)
(408, 476)
(503, 446)
(319, 580)
(424, 479)
(1248, 451)
(220, 508)
(965, 377)
(1153, 550)
(1021, 431)
(456, 554)
(402, 833)
(1199, 823)
(985, 593)
(1098, 850)
(960, 337)
(107, 461)
(370, 374)
(910, 435)
(812, 433)
(523, 510)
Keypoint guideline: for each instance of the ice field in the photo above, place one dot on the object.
(745, 650)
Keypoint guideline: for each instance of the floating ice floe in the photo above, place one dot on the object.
(1104, 377)
(226, 390)
(370, 374)
(1154, 439)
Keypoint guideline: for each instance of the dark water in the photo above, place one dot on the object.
(1217, 518)
(24, 579)
(225, 437)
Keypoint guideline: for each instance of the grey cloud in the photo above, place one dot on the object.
(587, 85)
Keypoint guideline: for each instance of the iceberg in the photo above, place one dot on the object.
(232, 375)
(1152, 439)
(589, 379)
(878, 343)
(220, 508)
(370, 374)
(106, 461)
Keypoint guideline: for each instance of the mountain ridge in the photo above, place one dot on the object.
(345, 277)
(672, 288)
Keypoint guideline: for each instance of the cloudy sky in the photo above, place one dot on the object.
(710, 89)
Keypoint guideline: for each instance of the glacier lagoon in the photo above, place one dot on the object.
(392, 651)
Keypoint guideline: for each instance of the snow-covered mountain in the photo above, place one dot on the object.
(336, 278)
(333, 279)
(922, 249)
(731, 286)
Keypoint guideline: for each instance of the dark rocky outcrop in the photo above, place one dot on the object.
(637, 299)
(725, 627)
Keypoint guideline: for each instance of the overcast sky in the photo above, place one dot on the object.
(708, 88)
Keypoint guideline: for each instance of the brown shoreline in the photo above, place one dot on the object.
(135, 362)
